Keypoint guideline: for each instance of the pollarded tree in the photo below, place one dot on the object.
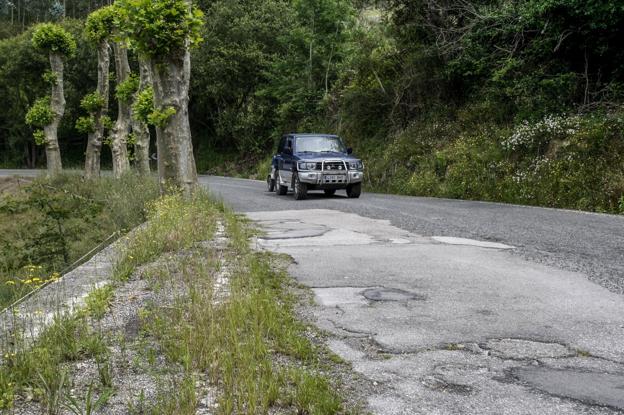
(98, 30)
(163, 32)
(121, 129)
(140, 129)
(47, 112)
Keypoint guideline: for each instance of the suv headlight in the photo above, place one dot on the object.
(356, 165)
(306, 166)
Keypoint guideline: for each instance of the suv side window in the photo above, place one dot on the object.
(280, 147)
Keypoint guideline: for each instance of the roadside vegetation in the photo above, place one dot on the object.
(49, 223)
(518, 102)
(220, 321)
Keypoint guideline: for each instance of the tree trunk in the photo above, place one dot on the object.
(139, 128)
(94, 143)
(176, 164)
(119, 142)
(57, 105)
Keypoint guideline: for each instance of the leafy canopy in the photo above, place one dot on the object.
(101, 23)
(161, 28)
(52, 38)
(40, 114)
(144, 105)
(92, 102)
(126, 89)
(85, 125)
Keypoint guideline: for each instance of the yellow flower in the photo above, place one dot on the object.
(27, 282)
(10, 283)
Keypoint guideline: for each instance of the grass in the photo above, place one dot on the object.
(98, 302)
(250, 344)
(38, 372)
(243, 336)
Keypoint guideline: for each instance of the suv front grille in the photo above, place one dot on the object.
(337, 166)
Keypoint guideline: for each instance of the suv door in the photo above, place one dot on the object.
(286, 165)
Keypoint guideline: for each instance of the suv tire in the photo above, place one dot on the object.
(300, 189)
(270, 184)
(279, 189)
(354, 190)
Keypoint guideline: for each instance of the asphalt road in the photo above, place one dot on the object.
(585, 242)
(454, 307)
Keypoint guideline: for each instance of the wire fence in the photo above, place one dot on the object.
(22, 321)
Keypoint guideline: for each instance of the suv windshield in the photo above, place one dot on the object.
(319, 144)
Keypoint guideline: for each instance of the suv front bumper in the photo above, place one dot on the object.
(331, 179)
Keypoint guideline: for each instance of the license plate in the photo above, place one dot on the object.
(334, 178)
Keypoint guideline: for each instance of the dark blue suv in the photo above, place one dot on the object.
(315, 162)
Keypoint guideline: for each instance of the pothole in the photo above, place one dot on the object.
(438, 384)
(526, 349)
(594, 388)
(390, 294)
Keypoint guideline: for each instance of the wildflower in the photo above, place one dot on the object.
(10, 283)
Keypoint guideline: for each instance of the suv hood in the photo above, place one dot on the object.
(324, 156)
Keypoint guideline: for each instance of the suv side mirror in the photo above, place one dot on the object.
(288, 150)
(349, 150)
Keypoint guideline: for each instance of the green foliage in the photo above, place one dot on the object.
(160, 117)
(561, 161)
(143, 105)
(53, 38)
(161, 28)
(98, 302)
(40, 369)
(101, 23)
(92, 102)
(50, 78)
(53, 222)
(40, 114)
(126, 90)
(106, 122)
(237, 340)
(39, 137)
(86, 124)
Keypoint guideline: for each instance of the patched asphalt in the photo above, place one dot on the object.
(590, 243)
(451, 307)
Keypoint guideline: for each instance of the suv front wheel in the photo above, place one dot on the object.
(300, 190)
(354, 190)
